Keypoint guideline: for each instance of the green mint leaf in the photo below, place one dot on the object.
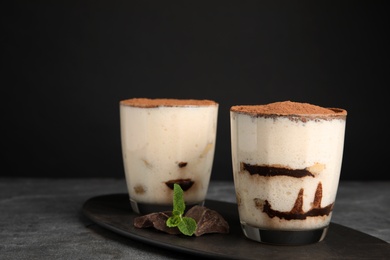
(187, 226)
(176, 213)
(178, 199)
(173, 221)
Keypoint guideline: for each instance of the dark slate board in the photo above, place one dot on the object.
(113, 212)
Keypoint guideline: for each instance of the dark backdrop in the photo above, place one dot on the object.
(67, 64)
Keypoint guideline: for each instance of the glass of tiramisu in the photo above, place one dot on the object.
(167, 141)
(287, 159)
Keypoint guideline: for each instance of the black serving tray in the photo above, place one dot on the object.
(113, 212)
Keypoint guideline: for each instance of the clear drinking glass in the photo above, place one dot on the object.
(287, 159)
(167, 141)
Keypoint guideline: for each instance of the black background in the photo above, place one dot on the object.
(66, 65)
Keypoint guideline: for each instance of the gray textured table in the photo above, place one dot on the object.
(42, 218)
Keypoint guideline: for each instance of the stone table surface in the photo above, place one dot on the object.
(42, 218)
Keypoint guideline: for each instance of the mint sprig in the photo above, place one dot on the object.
(186, 225)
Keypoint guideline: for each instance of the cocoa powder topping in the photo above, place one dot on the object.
(166, 102)
(288, 108)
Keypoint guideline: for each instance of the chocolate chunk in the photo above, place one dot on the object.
(157, 220)
(208, 221)
(182, 164)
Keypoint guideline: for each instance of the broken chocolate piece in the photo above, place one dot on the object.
(208, 221)
(157, 220)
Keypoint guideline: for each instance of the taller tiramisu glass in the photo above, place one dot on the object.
(287, 159)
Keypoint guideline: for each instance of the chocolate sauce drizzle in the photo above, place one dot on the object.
(185, 184)
(267, 171)
(297, 212)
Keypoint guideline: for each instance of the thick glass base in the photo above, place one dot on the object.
(281, 237)
(146, 208)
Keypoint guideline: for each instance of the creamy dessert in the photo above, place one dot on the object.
(287, 158)
(167, 141)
